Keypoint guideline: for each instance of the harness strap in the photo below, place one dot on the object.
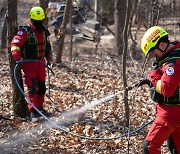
(31, 48)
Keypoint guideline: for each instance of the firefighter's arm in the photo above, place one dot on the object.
(169, 81)
(48, 54)
(17, 42)
(165, 81)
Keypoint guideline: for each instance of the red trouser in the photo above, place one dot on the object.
(160, 131)
(35, 81)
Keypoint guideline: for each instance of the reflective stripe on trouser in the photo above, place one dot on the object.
(159, 132)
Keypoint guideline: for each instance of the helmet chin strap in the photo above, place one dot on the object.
(164, 51)
(156, 58)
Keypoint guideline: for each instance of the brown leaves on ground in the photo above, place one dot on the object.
(72, 90)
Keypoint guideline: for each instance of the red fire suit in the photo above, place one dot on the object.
(166, 81)
(31, 44)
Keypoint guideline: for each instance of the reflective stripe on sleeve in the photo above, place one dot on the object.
(158, 86)
(15, 48)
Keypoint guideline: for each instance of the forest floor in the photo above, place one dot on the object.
(76, 84)
(79, 123)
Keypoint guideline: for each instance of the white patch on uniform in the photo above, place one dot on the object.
(20, 32)
(170, 71)
(15, 40)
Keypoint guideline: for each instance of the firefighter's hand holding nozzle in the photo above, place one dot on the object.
(49, 63)
(141, 82)
(144, 81)
(19, 61)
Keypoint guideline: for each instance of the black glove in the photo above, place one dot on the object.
(48, 63)
(140, 83)
(144, 81)
(19, 61)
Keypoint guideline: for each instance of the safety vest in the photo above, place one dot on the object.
(30, 50)
(157, 97)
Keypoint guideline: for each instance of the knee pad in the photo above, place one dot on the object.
(145, 147)
(32, 87)
(41, 88)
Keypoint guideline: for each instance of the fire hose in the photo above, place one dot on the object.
(96, 102)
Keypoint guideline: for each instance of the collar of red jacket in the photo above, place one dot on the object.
(31, 25)
(177, 45)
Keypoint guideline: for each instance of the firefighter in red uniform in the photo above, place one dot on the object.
(31, 43)
(165, 78)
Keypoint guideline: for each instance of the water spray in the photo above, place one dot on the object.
(74, 113)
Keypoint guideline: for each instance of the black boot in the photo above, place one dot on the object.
(34, 116)
(46, 113)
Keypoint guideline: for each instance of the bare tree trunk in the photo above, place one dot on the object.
(120, 13)
(71, 34)
(96, 9)
(134, 6)
(4, 28)
(44, 5)
(19, 103)
(63, 31)
(125, 48)
(4, 36)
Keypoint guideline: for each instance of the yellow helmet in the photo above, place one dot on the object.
(37, 13)
(151, 38)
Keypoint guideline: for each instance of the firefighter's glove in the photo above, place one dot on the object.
(144, 81)
(140, 83)
(18, 62)
(49, 64)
